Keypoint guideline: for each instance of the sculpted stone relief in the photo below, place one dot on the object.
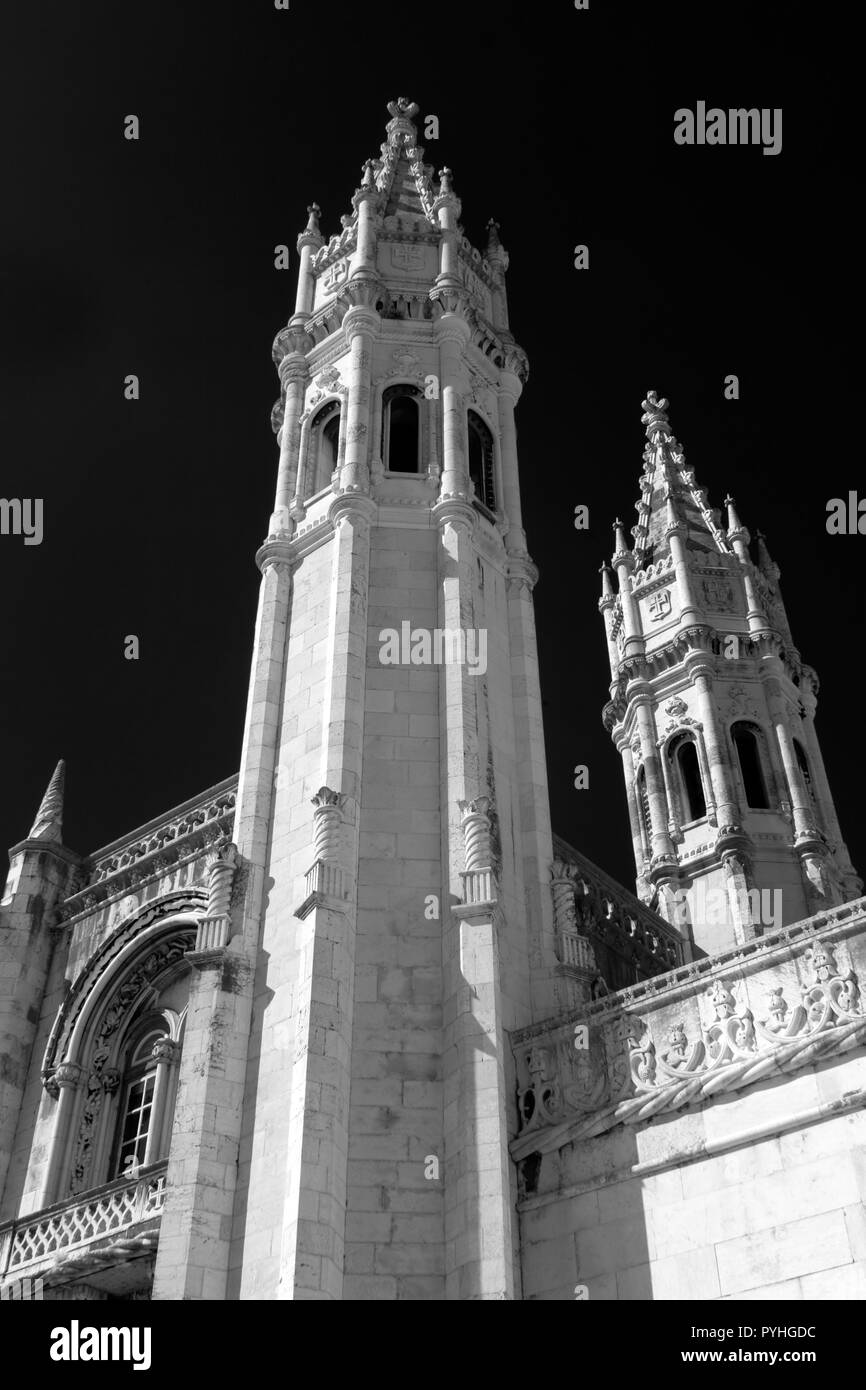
(720, 1039)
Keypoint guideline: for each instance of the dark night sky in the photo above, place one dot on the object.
(157, 258)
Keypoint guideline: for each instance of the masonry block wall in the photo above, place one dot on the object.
(781, 1217)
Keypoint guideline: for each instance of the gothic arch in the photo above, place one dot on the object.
(687, 786)
(754, 768)
(693, 732)
(400, 393)
(310, 479)
(136, 971)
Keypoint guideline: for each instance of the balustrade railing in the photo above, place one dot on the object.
(117, 1208)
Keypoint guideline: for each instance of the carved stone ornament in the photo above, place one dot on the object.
(732, 1050)
(406, 256)
(718, 593)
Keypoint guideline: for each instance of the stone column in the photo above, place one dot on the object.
(634, 813)
(193, 1255)
(690, 614)
(313, 1240)
(294, 376)
(662, 844)
(62, 1087)
(452, 333)
(720, 770)
(166, 1053)
(534, 801)
(801, 805)
(478, 1200)
(739, 538)
(510, 388)
(623, 563)
(195, 1240)
(738, 881)
(360, 326)
(824, 794)
(821, 892)
(308, 244)
(213, 928)
(364, 200)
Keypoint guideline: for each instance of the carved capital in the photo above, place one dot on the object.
(67, 1074)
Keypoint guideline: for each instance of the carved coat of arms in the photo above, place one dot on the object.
(659, 605)
(407, 256)
(718, 592)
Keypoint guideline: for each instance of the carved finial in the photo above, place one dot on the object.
(314, 213)
(655, 414)
(607, 589)
(620, 543)
(403, 107)
(445, 177)
(734, 523)
(369, 174)
(766, 564)
(493, 234)
(48, 824)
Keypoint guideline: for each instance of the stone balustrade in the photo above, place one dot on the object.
(42, 1241)
(716, 1025)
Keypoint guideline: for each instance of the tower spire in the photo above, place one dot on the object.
(48, 824)
(712, 710)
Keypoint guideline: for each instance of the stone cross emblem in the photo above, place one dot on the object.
(660, 605)
(407, 256)
(718, 593)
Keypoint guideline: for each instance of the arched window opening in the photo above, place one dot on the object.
(481, 461)
(146, 1099)
(324, 448)
(805, 770)
(684, 755)
(401, 429)
(749, 757)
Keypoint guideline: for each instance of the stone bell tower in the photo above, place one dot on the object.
(393, 916)
(712, 710)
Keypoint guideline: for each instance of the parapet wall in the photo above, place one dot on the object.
(702, 1135)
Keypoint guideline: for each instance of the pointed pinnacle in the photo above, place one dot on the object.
(734, 523)
(620, 543)
(766, 564)
(48, 824)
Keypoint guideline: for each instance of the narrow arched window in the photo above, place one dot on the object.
(324, 448)
(805, 770)
(684, 755)
(401, 429)
(147, 1095)
(481, 460)
(136, 1118)
(745, 739)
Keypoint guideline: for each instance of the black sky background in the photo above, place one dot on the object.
(156, 258)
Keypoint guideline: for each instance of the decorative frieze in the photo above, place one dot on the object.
(746, 1023)
(167, 845)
